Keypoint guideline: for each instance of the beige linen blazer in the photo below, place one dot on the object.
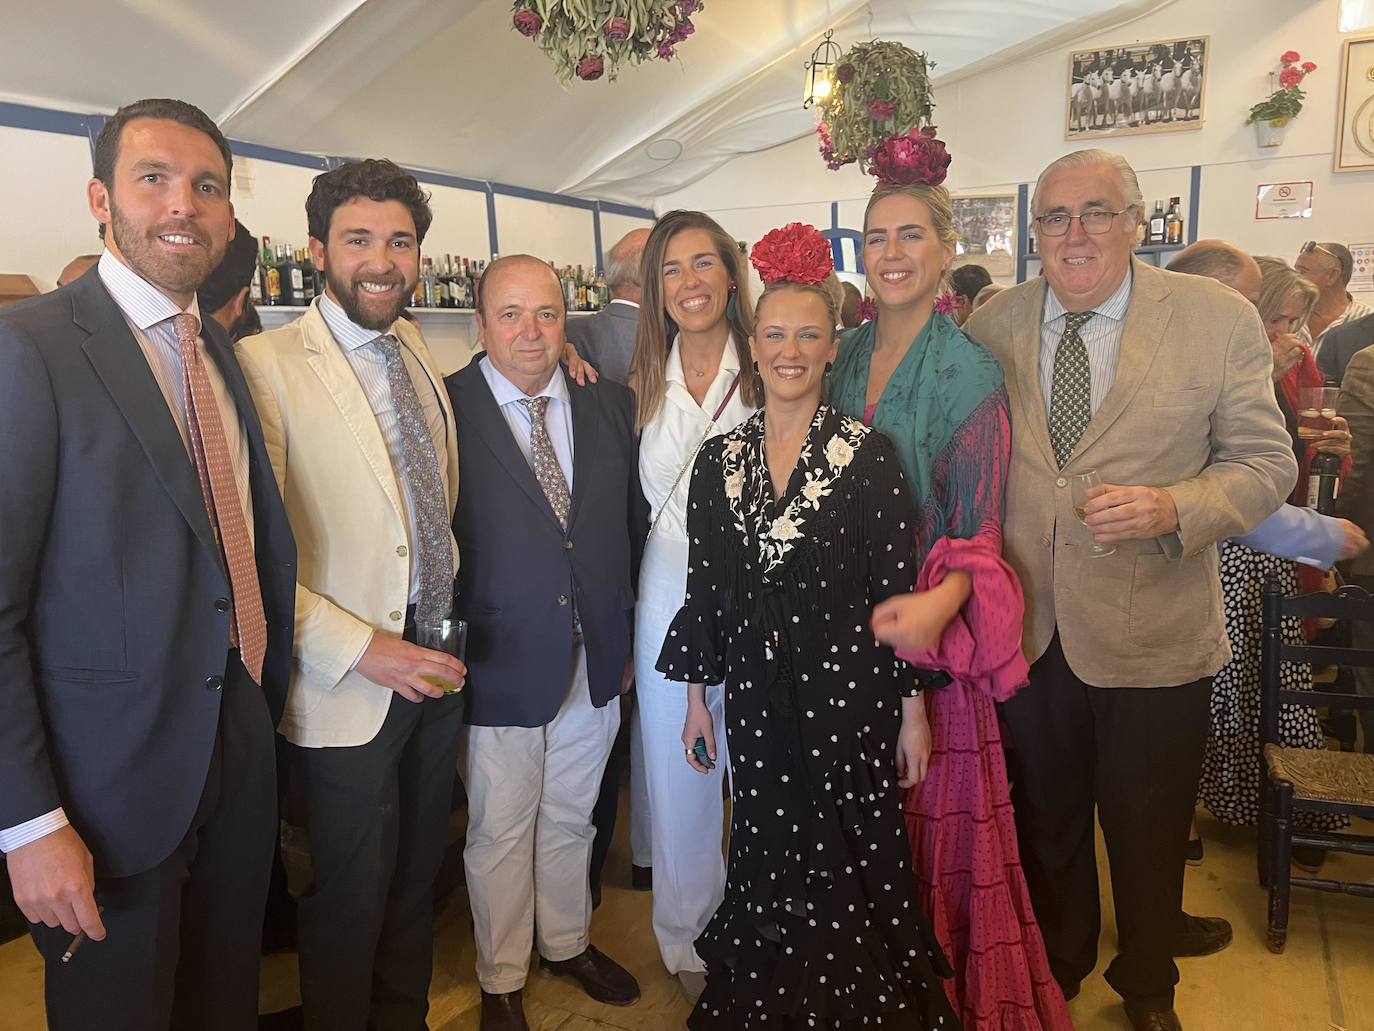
(1356, 502)
(1191, 410)
(345, 507)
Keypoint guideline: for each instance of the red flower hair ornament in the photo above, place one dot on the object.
(795, 253)
(917, 158)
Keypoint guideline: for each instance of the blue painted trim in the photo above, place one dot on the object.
(1194, 201)
(22, 116)
(491, 223)
(628, 210)
(256, 151)
(834, 214)
(1023, 226)
(596, 236)
(837, 238)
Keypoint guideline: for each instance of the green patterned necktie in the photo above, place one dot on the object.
(1071, 394)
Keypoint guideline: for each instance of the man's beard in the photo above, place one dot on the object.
(377, 315)
(172, 273)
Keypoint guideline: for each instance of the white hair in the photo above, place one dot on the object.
(1130, 185)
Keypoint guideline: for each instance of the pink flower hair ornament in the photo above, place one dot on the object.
(917, 158)
(796, 253)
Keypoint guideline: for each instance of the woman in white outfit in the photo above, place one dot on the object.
(693, 379)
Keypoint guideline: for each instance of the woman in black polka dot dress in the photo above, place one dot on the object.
(799, 522)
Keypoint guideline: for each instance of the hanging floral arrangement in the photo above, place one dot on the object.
(591, 38)
(878, 90)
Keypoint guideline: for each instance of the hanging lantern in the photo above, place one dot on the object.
(818, 71)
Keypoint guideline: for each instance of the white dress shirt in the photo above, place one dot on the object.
(359, 346)
(1101, 335)
(667, 441)
(149, 314)
(557, 418)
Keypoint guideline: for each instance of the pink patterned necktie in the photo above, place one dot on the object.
(248, 624)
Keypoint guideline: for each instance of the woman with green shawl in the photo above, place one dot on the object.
(938, 395)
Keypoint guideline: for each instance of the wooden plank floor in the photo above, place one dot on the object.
(1324, 982)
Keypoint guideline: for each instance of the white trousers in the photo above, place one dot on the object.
(685, 807)
(530, 798)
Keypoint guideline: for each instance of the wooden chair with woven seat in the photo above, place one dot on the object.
(1305, 779)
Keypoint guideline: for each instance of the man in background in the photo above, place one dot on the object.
(966, 281)
(607, 340)
(224, 294)
(1328, 267)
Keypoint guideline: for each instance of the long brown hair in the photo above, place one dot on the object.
(648, 367)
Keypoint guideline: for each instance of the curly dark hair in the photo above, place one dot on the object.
(374, 178)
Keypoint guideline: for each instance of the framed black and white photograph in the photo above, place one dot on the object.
(1137, 88)
(1355, 123)
(987, 232)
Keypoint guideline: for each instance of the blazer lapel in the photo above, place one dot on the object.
(119, 362)
(482, 413)
(326, 359)
(1025, 344)
(1147, 318)
(585, 425)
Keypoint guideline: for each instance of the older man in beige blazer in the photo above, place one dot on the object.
(1161, 382)
(364, 446)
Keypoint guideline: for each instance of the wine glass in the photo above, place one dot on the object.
(1085, 487)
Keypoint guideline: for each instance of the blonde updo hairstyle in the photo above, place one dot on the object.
(828, 290)
(936, 200)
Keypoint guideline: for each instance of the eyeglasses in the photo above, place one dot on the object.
(1313, 245)
(1095, 223)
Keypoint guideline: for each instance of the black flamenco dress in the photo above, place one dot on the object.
(820, 925)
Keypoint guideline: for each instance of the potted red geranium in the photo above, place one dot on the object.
(1270, 116)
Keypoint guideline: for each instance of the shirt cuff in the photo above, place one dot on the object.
(361, 652)
(12, 838)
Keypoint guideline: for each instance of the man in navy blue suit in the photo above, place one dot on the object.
(147, 586)
(549, 521)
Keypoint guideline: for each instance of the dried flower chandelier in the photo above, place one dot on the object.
(591, 38)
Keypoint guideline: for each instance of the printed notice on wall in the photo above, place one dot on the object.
(1283, 200)
(1362, 278)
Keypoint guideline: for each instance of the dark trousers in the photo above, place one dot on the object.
(1135, 754)
(607, 807)
(377, 817)
(182, 941)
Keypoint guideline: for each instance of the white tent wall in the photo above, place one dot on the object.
(1006, 122)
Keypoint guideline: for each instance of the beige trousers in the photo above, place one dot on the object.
(530, 798)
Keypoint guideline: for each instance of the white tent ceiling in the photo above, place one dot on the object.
(449, 86)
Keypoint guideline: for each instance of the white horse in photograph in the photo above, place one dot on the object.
(1151, 91)
(1087, 94)
(1117, 92)
(1190, 89)
(1171, 87)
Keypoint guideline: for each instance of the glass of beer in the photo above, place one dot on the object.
(443, 635)
(1086, 486)
(1316, 409)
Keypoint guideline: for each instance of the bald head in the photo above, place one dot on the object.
(622, 266)
(522, 267)
(1222, 261)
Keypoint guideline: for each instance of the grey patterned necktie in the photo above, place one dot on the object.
(1071, 389)
(545, 462)
(426, 489)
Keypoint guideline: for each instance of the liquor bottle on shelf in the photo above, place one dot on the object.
(1157, 225)
(1030, 240)
(1173, 223)
(603, 292)
(290, 276)
(307, 271)
(271, 275)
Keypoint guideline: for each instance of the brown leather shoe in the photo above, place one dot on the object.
(601, 977)
(503, 1012)
(1153, 1020)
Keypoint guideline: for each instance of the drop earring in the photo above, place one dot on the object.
(732, 309)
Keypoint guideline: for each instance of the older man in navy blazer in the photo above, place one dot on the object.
(146, 594)
(547, 523)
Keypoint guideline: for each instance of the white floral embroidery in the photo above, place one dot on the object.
(734, 484)
(748, 490)
(838, 452)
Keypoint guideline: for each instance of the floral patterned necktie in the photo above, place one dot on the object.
(1071, 389)
(544, 462)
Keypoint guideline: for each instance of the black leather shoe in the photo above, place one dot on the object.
(1193, 854)
(601, 977)
(1153, 1020)
(1199, 935)
(642, 878)
(283, 1020)
(503, 1012)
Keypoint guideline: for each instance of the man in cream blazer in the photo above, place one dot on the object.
(1161, 382)
(364, 446)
